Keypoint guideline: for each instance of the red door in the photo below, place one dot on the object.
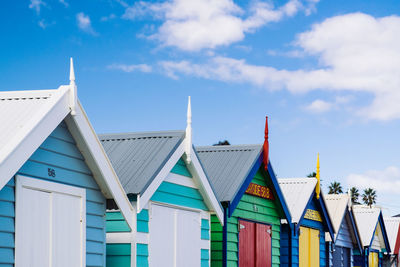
(263, 245)
(246, 243)
(254, 244)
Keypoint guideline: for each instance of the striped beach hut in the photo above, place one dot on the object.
(340, 249)
(55, 180)
(254, 207)
(172, 198)
(373, 235)
(392, 225)
(305, 245)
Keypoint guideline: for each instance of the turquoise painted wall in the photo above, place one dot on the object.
(167, 193)
(58, 152)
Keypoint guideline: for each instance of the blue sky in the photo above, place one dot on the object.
(325, 72)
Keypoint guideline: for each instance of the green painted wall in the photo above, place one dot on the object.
(119, 255)
(251, 208)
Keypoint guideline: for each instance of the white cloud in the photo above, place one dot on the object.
(36, 5)
(384, 181)
(109, 17)
(319, 106)
(84, 23)
(131, 68)
(64, 3)
(195, 25)
(356, 52)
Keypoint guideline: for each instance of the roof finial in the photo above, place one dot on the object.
(318, 187)
(72, 85)
(266, 145)
(350, 198)
(188, 136)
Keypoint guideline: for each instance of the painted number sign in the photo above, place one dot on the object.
(313, 215)
(259, 191)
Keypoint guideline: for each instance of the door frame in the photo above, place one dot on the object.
(50, 187)
(252, 221)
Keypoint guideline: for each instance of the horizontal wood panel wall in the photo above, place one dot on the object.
(252, 208)
(58, 152)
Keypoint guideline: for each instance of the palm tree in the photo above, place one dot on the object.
(335, 188)
(354, 195)
(313, 174)
(222, 143)
(369, 196)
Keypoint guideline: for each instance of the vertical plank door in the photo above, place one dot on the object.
(188, 239)
(304, 247)
(246, 244)
(314, 247)
(162, 236)
(263, 245)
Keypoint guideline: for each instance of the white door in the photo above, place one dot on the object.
(174, 237)
(50, 224)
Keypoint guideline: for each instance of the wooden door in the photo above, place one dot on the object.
(246, 244)
(263, 245)
(50, 224)
(314, 247)
(373, 259)
(304, 241)
(308, 247)
(254, 244)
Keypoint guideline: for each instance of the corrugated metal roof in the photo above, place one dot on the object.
(138, 157)
(17, 109)
(228, 166)
(336, 205)
(392, 229)
(297, 192)
(366, 219)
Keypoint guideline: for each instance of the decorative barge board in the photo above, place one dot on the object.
(340, 250)
(304, 245)
(392, 225)
(173, 198)
(55, 179)
(253, 206)
(373, 236)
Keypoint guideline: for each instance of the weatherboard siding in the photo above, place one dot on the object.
(267, 212)
(181, 169)
(7, 224)
(58, 152)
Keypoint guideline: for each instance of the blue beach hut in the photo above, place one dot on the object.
(171, 196)
(373, 235)
(305, 244)
(346, 240)
(55, 180)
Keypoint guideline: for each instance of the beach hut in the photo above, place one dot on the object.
(373, 236)
(340, 249)
(392, 225)
(172, 198)
(254, 207)
(55, 179)
(305, 245)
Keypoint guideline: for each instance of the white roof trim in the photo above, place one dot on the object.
(199, 177)
(26, 141)
(96, 158)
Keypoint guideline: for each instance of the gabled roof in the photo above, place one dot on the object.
(138, 157)
(392, 225)
(337, 205)
(367, 219)
(297, 192)
(232, 168)
(228, 167)
(27, 118)
(143, 160)
(339, 210)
